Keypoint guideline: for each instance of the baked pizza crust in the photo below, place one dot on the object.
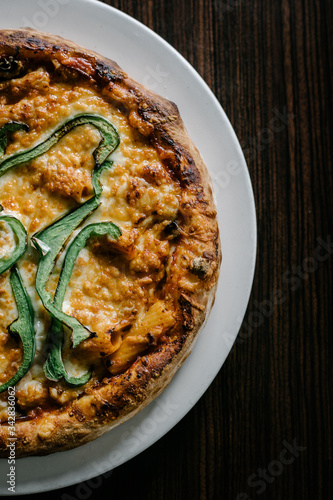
(122, 396)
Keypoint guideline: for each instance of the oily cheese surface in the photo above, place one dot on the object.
(144, 296)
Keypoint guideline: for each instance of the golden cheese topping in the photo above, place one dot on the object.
(114, 288)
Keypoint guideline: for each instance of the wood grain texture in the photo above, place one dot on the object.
(270, 65)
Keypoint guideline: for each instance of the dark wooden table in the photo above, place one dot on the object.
(263, 428)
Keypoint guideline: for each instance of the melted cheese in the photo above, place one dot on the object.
(7, 240)
(110, 283)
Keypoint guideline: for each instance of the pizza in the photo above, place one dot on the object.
(109, 244)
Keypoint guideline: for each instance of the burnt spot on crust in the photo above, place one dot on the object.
(157, 113)
(178, 161)
(77, 414)
(190, 175)
(106, 73)
(33, 43)
(108, 408)
(187, 313)
(209, 255)
(146, 111)
(144, 360)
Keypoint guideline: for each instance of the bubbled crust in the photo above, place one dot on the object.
(110, 403)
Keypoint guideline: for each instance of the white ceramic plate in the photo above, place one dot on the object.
(150, 60)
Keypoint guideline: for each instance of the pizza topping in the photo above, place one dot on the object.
(9, 67)
(50, 240)
(200, 267)
(145, 332)
(8, 129)
(54, 367)
(30, 393)
(109, 142)
(172, 230)
(23, 327)
(20, 234)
